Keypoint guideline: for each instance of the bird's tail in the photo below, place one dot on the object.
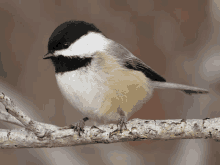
(185, 88)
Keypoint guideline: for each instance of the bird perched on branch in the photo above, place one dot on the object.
(101, 78)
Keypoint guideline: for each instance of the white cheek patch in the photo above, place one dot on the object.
(85, 46)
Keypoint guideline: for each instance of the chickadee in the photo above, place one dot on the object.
(101, 78)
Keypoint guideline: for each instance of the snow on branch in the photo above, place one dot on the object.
(39, 135)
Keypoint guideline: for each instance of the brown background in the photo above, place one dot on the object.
(179, 39)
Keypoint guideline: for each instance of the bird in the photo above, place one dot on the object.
(101, 78)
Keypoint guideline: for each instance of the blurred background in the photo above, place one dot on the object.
(178, 39)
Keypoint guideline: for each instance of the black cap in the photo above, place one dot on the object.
(67, 33)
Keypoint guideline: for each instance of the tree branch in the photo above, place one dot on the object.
(39, 135)
(4, 116)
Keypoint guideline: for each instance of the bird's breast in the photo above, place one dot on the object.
(83, 89)
(99, 94)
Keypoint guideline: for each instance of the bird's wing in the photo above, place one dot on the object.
(129, 61)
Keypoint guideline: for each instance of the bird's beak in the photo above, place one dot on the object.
(48, 55)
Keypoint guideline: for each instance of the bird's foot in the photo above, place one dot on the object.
(78, 126)
(122, 122)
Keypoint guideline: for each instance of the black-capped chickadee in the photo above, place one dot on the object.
(101, 78)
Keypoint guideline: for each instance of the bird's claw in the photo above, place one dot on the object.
(122, 122)
(78, 126)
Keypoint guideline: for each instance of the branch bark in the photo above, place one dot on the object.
(38, 135)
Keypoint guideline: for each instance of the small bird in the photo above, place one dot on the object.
(101, 78)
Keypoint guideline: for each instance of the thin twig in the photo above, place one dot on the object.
(27, 122)
(6, 117)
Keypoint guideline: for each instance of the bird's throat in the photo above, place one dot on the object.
(65, 64)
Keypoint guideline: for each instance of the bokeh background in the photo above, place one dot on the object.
(178, 39)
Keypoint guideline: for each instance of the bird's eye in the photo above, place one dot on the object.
(66, 45)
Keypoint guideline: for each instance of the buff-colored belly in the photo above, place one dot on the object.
(128, 90)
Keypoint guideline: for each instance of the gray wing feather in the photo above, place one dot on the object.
(129, 61)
